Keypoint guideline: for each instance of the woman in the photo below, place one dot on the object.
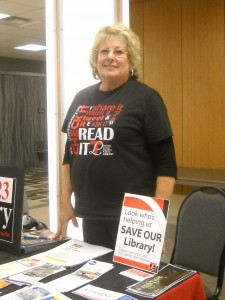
(119, 140)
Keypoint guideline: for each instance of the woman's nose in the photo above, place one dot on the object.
(111, 54)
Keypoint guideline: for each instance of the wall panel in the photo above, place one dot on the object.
(203, 84)
(184, 60)
(161, 23)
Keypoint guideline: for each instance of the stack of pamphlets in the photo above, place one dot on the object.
(165, 279)
(37, 291)
(34, 274)
(30, 270)
(18, 266)
(27, 271)
(88, 272)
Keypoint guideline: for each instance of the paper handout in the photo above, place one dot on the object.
(90, 271)
(95, 293)
(72, 253)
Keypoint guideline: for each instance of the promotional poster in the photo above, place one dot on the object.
(141, 232)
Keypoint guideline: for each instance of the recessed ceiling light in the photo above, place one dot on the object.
(31, 47)
(3, 16)
(17, 21)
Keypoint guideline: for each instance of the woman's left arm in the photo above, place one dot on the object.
(164, 159)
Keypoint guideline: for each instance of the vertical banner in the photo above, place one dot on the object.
(141, 232)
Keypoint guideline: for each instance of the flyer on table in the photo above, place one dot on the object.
(141, 232)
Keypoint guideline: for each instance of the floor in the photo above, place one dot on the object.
(36, 187)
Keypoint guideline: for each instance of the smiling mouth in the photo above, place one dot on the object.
(110, 66)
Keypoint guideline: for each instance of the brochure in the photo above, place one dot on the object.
(37, 291)
(166, 278)
(136, 274)
(141, 232)
(35, 274)
(17, 266)
(95, 293)
(90, 271)
(4, 283)
(72, 253)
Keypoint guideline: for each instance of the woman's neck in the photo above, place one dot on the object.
(110, 85)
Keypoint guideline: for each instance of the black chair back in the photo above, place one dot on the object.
(200, 234)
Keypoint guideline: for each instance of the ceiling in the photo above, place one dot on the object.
(28, 27)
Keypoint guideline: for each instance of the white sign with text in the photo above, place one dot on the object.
(141, 232)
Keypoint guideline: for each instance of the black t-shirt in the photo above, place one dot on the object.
(109, 144)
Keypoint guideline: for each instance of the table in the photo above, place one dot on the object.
(198, 177)
(190, 289)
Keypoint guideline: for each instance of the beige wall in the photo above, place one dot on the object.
(184, 59)
(22, 65)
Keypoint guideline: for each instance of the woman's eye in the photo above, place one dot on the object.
(118, 53)
(104, 51)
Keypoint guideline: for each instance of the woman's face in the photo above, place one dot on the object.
(112, 62)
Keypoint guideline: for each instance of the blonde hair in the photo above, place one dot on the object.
(131, 41)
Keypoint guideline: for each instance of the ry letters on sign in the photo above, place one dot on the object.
(11, 208)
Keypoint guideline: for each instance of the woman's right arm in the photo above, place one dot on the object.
(66, 208)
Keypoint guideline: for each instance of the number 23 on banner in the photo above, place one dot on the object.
(6, 189)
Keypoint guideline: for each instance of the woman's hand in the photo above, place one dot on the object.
(66, 208)
(66, 214)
